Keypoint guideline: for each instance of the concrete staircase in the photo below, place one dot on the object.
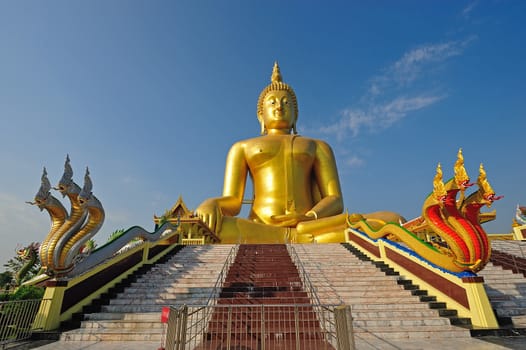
(516, 248)
(383, 307)
(188, 277)
(505, 282)
(506, 291)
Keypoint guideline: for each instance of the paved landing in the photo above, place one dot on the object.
(489, 343)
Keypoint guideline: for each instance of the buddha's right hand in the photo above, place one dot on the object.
(210, 213)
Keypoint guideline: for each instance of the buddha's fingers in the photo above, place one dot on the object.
(218, 220)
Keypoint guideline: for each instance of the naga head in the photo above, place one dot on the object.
(67, 178)
(43, 193)
(28, 252)
(461, 176)
(488, 195)
(439, 189)
(86, 194)
(520, 215)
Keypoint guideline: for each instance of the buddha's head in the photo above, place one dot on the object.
(277, 105)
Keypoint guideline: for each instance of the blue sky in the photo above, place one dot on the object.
(151, 94)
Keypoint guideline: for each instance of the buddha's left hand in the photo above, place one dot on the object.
(291, 220)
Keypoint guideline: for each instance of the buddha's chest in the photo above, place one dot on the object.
(280, 151)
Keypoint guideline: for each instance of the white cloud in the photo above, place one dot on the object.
(353, 161)
(377, 117)
(392, 95)
(398, 108)
(469, 8)
(415, 63)
(351, 120)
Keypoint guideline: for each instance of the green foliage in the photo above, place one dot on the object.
(28, 292)
(24, 293)
(5, 296)
(6, 278)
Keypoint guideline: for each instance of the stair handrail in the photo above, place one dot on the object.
(307, 284)
(189, 326)
(216, 289)
(335, 294)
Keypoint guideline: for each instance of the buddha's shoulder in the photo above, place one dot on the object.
(310, 140)
(269, 139)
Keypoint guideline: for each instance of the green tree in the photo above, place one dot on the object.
(6, 278)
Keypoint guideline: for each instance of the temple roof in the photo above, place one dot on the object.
(178, 210)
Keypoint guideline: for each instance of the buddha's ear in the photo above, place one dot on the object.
(263, 130)
(294, 131)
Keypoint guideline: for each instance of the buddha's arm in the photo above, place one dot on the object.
(211, 211)
(326, 173)
(236, 171)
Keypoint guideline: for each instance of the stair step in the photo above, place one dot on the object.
(110, 334)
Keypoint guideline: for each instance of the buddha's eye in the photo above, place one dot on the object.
(271, 100)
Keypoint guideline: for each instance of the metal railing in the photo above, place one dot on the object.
(18, 319)
(216, 289)
(304, 276)
(193, 241)
(212, 299)
(265, 327)
(308, 286)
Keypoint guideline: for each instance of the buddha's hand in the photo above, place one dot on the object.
(210, 213)
(292, 220)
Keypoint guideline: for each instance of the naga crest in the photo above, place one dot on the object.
(43, 192)
(487, 191)
(67, 178)
(86, 194)
(461, 175)
(439, 190)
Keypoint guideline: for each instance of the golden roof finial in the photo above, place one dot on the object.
(276, 74)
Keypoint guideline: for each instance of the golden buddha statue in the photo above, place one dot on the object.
(297, 195)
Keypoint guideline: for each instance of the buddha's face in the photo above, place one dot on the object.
(278, 110)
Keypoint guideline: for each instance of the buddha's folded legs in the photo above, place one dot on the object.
(327, 230)
(238, 230)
